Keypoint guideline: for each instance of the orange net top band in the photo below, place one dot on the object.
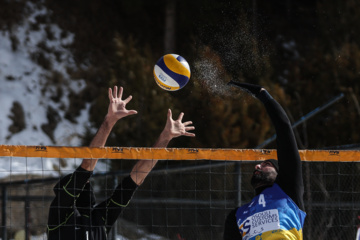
(172, 153)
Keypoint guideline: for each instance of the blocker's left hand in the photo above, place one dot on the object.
(117, 107)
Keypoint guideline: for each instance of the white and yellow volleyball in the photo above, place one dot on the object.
(172, 72)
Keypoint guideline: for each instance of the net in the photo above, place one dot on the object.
(187, 196)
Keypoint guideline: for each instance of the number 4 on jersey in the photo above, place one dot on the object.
(262, 200)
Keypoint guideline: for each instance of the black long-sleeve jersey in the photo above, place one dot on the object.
(289, 176)
(73, 214)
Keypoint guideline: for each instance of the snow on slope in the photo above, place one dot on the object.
(23, 81)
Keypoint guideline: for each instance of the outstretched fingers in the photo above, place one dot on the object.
(132, 112)
(181, 115)
(117, 107)
(189, 128)
(186, 126)
(128, 99)
(189, 134)
(110, 94)
(115, 92)
(187, 123)
(118, 93)
(121, 89)
(169, 114)
(176, 128)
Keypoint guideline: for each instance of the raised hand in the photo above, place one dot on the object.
(176, 128)
(173, 128)
(117, 107)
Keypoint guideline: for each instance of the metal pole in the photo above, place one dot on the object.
(27, 213)
(238, 183)
(114, 227)
(3, 206)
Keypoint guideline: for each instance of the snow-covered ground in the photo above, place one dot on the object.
(23, 81)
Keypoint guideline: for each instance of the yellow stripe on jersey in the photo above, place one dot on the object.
(291, 234)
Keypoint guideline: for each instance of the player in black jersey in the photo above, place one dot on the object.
(73, 214)
(277, 210)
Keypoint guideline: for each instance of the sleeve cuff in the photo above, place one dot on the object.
(82, 175)
(128, 183)
(264, 96)
(124, 192)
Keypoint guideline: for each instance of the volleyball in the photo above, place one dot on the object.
(172, 72)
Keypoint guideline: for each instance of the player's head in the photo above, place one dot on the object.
(265, 173)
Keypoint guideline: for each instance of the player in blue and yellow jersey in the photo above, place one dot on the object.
(277, 210)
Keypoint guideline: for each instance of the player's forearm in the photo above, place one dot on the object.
(99, 141)
(103, 133)
(285, 136)
(143, 167)
(276, 112)
(163, 140)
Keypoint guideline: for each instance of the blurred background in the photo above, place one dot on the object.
(58, 58)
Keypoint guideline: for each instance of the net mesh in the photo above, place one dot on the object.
(182, 199)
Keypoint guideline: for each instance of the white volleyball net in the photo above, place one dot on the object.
(187, 196)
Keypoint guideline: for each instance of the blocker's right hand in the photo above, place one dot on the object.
(176, 128)
(117, 107)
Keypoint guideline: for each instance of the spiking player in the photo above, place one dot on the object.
(73, 214)
(277, 210)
